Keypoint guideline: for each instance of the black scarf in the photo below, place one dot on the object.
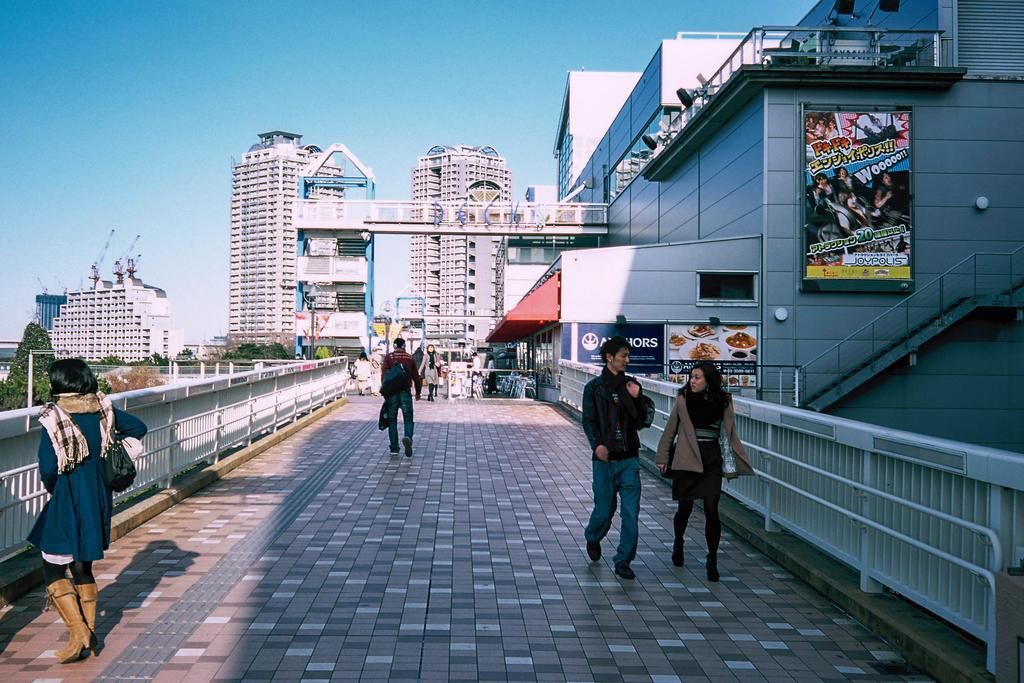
(430, 358)
(617, 384)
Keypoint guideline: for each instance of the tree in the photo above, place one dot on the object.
(154, 360)
(114, 361)
(13, 391)
(185, 354)
(257, 351)
(323, 352)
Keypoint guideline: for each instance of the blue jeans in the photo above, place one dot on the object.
(622, 478)
(403, 400)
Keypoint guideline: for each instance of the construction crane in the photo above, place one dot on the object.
(95, 277)
(40, 281)
(132, 266)
(118, 269)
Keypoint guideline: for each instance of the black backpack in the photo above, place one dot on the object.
(394, 381)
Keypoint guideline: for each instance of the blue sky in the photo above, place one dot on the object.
(127, 115)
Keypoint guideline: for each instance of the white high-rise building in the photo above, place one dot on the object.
(460, 277)
(261, 295)
(128, 319)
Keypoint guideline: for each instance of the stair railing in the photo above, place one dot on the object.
(998, 277)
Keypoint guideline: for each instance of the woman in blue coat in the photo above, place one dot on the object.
(73, 529)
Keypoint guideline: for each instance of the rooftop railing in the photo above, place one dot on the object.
(820, 47)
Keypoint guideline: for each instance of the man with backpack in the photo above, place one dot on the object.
(399, 376)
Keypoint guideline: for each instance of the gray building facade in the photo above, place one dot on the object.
(934, 350)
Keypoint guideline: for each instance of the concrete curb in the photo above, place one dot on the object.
(22, 573)
(927, 642)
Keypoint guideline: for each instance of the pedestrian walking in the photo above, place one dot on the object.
(364, 370)
(430, 370)
(492, 375)
(73, 528)
(402, 398)
(700, 447)
(614, 408)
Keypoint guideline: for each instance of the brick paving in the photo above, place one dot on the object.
(326, 559)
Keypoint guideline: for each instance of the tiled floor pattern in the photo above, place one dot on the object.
(328, 559)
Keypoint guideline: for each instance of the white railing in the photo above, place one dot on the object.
(813, 47)
(451, 217)
(188, 424)
(924, 517)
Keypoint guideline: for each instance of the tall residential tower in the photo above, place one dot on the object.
(261, 296)
(460, 277)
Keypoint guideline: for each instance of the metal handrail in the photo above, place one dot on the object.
(993, 538)
(919, 295)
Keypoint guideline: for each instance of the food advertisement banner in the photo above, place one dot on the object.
(857, 222)
(733, 348)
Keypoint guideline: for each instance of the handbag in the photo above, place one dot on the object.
(119, 456)
(384, 419)
(728, 457)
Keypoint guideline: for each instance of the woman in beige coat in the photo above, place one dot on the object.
(702, 413)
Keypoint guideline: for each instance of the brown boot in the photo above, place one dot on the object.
(87, 593)
(64, 597)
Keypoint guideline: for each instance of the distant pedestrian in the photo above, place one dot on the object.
(430, 370)
(492, 376)
(401, 399)
(614, 408)
(363, 370)
(701, 419)
(73, 528)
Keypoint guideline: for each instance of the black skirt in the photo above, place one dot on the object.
(706, 484)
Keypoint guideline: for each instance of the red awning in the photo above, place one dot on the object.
(537, 310)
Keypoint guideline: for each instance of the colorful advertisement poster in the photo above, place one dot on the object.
(733, 348)
(857, 221)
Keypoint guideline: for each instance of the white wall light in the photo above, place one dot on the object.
(781, 314)
(981, 203)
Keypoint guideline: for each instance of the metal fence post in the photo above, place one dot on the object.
(769, 524)
(172, 444)
(867, 543)
(252, 417)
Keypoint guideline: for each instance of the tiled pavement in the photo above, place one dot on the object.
(327, 559)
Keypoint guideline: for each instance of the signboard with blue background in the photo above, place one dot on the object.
(581, 342)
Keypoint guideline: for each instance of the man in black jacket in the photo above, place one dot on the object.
(613, 411)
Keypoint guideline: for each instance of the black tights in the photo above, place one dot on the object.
(80, 571)
(712, 524)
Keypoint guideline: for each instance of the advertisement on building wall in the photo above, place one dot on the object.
(857, 219)
(733, 348)
(583, 341)
(336, 324)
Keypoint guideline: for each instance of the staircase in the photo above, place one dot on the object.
(984, 279)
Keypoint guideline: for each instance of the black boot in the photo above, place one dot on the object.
(677, 552)
(713, 568)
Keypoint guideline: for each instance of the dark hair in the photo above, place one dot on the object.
(613, 345)
(362, 355)
(72, 376)
(713, 376)
(399, 343)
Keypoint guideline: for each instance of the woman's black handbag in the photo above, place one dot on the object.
(120, 466)
(384, 419)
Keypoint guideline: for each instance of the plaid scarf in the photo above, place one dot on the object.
(69, 443)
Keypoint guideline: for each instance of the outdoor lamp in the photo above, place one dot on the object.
(685, 96)
(649, 141)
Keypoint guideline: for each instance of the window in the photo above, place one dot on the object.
(719, 287)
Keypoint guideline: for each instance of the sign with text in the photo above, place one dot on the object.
(647, 342)
(733, 348)
(857, 222)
